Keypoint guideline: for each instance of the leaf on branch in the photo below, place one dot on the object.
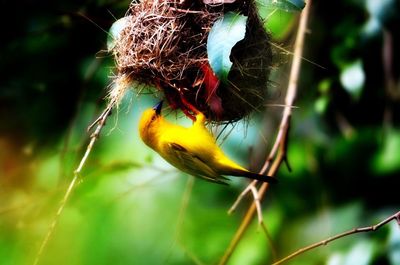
(224, 35)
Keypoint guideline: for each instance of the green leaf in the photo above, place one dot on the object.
(321, 104)
(115, 31)
(224, 34)
(286, 5)
(352, 78)
(387, 159)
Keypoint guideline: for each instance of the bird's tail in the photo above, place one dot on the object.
(252, 175)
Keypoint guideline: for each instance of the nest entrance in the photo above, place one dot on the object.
(164, 45)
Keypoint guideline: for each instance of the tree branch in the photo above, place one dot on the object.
(250, 213)
(324, 242)
(279, 149)
(93, 138)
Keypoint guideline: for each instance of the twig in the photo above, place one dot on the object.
(241, 196)
(290, 96)
(193, 258)
(324, 242)
(93, 137)
(282, 137)
(270, 241)
(256, 200)
(249, 214)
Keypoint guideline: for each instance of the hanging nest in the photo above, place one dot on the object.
(163, 44)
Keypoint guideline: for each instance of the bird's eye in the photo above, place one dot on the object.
(153, 118)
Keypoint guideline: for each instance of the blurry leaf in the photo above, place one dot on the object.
(324, 86)
(361, 253)
(286, 5)
(388, 158)
(319, 225)
(352, 78)
(380, 9)
(321, 104)
(298, 160)
(394, 243)
(46, 178)
(322, 101)
(348, 35)
(251, 250)
(278, 22)
(224, 34)
(115, 31)
(372, 27)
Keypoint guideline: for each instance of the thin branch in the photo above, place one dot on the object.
(270, 241)
(324, 242)
(193, 258)
(293, 81)
(256, 200)
(241, 196)
(250, 213)
(93, 138)
(282, 137)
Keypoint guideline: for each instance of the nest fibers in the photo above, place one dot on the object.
(163, 44)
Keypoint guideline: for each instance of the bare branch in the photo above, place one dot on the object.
(324, 242)
(270, 241)
(241, 196)
(279, 149)
(93, 138)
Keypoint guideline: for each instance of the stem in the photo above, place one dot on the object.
(270, 241)
(324, 242)
(293, 80)
(93, 138)
(281, 139)
(250, 214)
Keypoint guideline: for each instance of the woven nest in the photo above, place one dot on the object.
(164, 45)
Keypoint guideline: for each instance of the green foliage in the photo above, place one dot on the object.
(352, 78)
(285, 5)
(387, 159)
(277, 21)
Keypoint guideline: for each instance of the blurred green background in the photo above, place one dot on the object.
(129, 208)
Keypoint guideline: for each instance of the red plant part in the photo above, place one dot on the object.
(211, 83)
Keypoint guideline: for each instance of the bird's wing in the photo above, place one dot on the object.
(194, 165)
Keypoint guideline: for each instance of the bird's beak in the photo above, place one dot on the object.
(158, 107)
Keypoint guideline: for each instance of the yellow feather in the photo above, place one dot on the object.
(192, 150)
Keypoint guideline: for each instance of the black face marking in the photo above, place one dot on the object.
(158, 107)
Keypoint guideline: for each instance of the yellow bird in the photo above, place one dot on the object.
(192, 150)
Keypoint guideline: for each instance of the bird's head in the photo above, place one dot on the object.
(149, 124)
